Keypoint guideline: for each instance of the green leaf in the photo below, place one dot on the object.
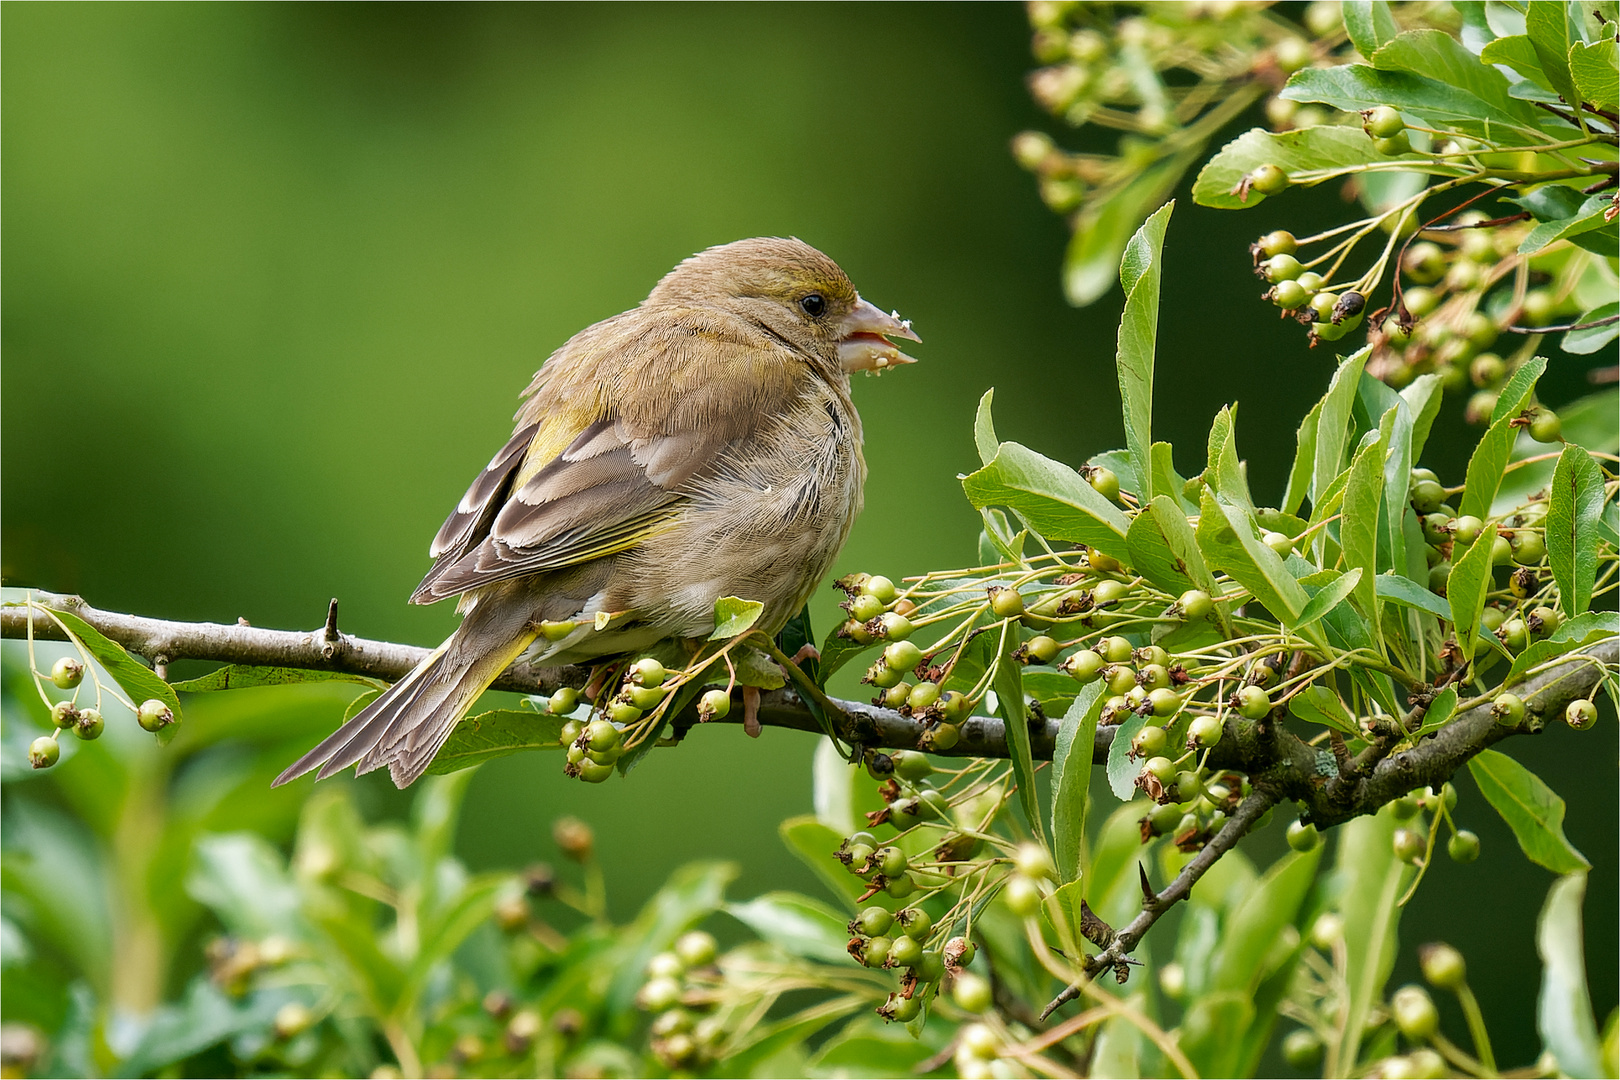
(733, 616)
(1467, 587)
(1319, 705)
(494, 734)
(1574, 505)
(1585, 342)
(136, 679)
(1166, 480)
(1356, 88)
(1369, 24)
(1330, 597)
(1577, 633)
(243, 880)
(1328, 148)
(1491, 456)
(1224, 472)
(1408, 593)
(1333, 429)
(1564, 1008)
(1139, 274)
(984, 429)
(1152, 556)
(1009, 685)
(1071, 778)
(1372, 879)
(795, 924)
(1299, 476)
(1435, 54)
(814, 844)
(690, 895)
(837, 651)
(1438, 714)
(1586, 218)
(1593, 69)
(1105, 226)
(1054, 499)
(1550, 33)
(1358, 527)
(205, 1018)
(240, 676)
(1532, 810)
(1516, 51)
(1122, 771)
(1424, 398)
(1230, 543)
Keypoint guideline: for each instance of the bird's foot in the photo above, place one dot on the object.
(750, 696)
(806, 651)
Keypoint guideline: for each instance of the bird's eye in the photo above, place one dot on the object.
(813, 305)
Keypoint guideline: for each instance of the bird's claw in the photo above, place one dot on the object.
(750, 696)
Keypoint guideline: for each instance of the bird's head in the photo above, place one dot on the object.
(794, 293)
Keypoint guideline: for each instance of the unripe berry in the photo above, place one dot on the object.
(67, 672)
(875, 953)
(956, 706)
(1302, 1049)
(882, 676)
(896, 627)
(1466, 529)
(1322, 305)
(645, 698)
(1150, 742)
(1310, 281)
(1103, 563)
(900, 887)
(1188, 786)
(1153, 677)
(1394, 147)
(696, 949)
(1424, 263)
(891, 861)
(873, 921)
(564, 701)
(1539, 307)
(879, 587)
(594, 772)
(293, 1018)
(1580, 714)
(902, 656)
(922, 695)
(1409, 845)
(648, 672)
(1109, 592)
(659, 994)
(1105, 483)
(911, 765)
(941, 737)
(1268, 179)
(1006, 603)
(153, 715)
(1327, 931)
(1280, 268)
(1253, 703)
(90, 724)
(1033, 861)
(1084, 665)
(896, 696)
(906, 1009)
(1119, 679)
(1303, 837)
(1041, 649)
(1022, 895)
(1546, 427)
(918, 923)
(1463, 846)
(1501, 551)
(63, 714)
(556, 631)
(601, 735)
(622, 712)
(1384, 122)
(1293, 53)
(1204, 731)
(972, 993)
(1415, 1013)
(1115, 650)
(1443, 966)
(1280, 242)
(1196, 604)
(1162, 768)
(1508, 710)
(714, 704)
(1426, 496)
(865, 608)
(43, 752)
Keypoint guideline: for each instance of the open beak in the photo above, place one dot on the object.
(865, 345)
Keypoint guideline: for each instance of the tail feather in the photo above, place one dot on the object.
(408, 724)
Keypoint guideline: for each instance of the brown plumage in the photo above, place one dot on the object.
(700, 445)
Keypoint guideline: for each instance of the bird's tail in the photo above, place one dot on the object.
(405, 727)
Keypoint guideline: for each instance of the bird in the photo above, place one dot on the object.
(703, 444)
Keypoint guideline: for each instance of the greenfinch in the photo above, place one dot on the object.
(701, 445)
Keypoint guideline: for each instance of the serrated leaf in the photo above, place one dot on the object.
(1009, 685)
(1586, 342)
(1551, 34)
(1516, 51)
(1575, 502)
(1139, 274)
(1312, 149)
(1071, 778)
(494, 734)
(1577, 633)
(795, 924)
(1054, 499)
(241, 676)
(1319, 705)
(135, 678)
(733, 616)
(1531, 809)
(1424, 398)
(1466, 588)
(1564, 1007)
(1369, 24)
(1438, 714)
(1358, 525)
(1587, 218)
(1593, 69)
(1299, 475)
(984, 429)
(1356, 88)
(1495, 447)
(1231, 544)
(1408, 593)
(1329, 598)
(1122, 771)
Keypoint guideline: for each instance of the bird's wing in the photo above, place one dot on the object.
(616, 424)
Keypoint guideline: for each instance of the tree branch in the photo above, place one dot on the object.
(1273, 757)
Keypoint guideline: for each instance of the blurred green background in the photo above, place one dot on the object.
(275, 275)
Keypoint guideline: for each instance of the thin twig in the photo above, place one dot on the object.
(1593, 325)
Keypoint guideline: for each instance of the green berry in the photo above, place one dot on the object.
(601, 735)
(1463, 846)
(906, 1009)
(714, 704)
(1303, 837)
(594, 772)
(1084, 665)
(1409, 845)
(1543, 621)
(882, 676)
(63, 714)
(880, 587)
(1322, 304)
(1268, 179)
(897, 695)
(1580, 714)
(659, 994)
(564, 701)
(896, 627)
(1443, 966)
(1022, 895)
(1415, 1013)
(873, 921)
(1439, 575)
(1515, 635)
(1033, 861)
(1280, 268)
(1041, 649)
(1529, 548)
(865, 608)
(876, 951)
(1204, 731)
(1166, 702)
(1302, 1049)
(1395, 147)
(859, 860)
(941, 737)
(90, 724)
(1105, 483)
(1545, 427)
(972, 993)
(1253, 703)
(1115, 650)
(1119, 679)
(648, 672)
(1424, 263)
(1196, 604)
(1153, 677)
(67, 672)
(1150, 741)
(900, 887)
(153, 715)
(1384, 122)
(1162, 768)
(1427, 496)
(956, 706)
(891, 861)
(1006, 603)
(1508, 710)
(1289, 295)
(1188, 785)
(918, 923)
(1108, 592)
(1436, 528)
(902, 656)
(1310, 281)
(911, 765)
(696, 949)
(622, 712)
(1280, 242)
(43, 752)
(645, 698)
(922, 696)
(1466, 529)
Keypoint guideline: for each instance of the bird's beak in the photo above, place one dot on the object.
(865, 346)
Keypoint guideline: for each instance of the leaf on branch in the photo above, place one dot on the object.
(1585, 342)
(1105, 226)
(1594, 70)
(733, 616)
(1588, 217)
(1585, 629)
(1438, 714)
(796, 924)
(1516, 51)
(1356, 88)
(1370, 25)
(1139, 274)
(1054, 499)
(1230, 543)
(1551, 34)
(494, 734)
(1575, 503)
(1071, 778)
(1408, 593)
(1312, 149)
(1122, 770)
(1299, 476)
(135, 678)
(1358, 528)
(1333, 432)
(1466, 588)
(1490, 457)
(1010, 704)
(241, 676)
(1319, 705)
(984, 429)
(1564, 1009)
(1531, 809)
(1331, 595)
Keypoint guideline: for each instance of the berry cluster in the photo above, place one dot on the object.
(685, 1033)
(87, 722)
